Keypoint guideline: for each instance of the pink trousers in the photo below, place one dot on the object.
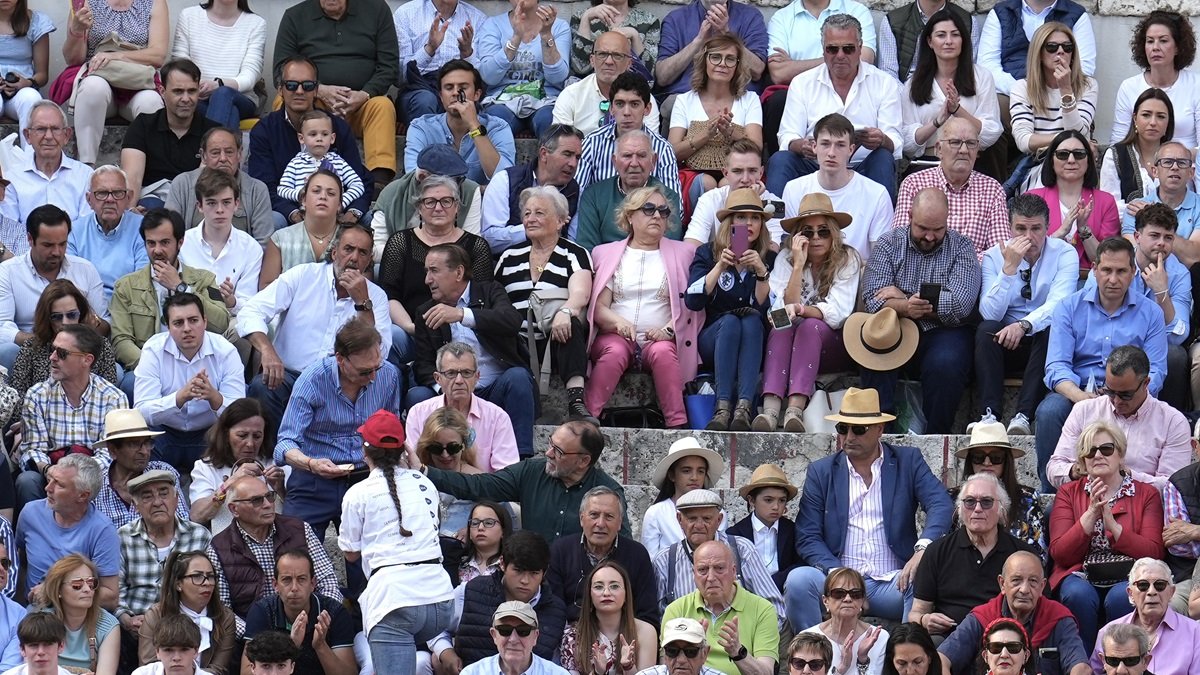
(612, 355)
(795, 356)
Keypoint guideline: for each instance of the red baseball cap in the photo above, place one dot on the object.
(383, 430)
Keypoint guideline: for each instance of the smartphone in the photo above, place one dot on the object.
(77, 4)
(779, 319)
(739, 240)
(932, 293)
(215, 294)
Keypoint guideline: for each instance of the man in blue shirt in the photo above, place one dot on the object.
(108, 235)
(10, 615)
(1174, 170)
(484, 141)
(1087, 325)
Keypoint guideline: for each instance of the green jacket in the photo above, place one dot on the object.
(137, 314)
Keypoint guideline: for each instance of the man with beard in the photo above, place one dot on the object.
(330, 294)
(906, 261)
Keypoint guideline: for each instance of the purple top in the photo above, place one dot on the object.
(682, 24)
(1175, 650)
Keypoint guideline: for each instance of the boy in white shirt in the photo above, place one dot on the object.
(43, 637)
(177, 646)
(316, 138)
(233, 256)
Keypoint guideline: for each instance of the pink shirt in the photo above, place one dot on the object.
(495, 443)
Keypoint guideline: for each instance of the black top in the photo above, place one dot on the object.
(167, 155)
(402, 267)
(267, 614)
(570, 566)
(954, 578)
(514, 274)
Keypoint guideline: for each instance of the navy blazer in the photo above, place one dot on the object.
(785, 545)
(906, 481)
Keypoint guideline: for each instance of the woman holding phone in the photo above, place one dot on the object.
(728, 281)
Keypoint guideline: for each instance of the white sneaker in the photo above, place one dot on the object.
(1019, 426)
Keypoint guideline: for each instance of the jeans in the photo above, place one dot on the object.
(318, 502)
(733, 346)
(393, 640)
(180, 449)
(802, 597)
(992, 361)
(879, 166)
(943, 360)
(279, 220)
(420, 96)
(1052, 413)
(151, 203)
(1084, 599)
(535, 123)
(273, 400)
(512, 391)
(8, 355)
(228, 107)
(126, 381)
(402, 347)
(1176, 384)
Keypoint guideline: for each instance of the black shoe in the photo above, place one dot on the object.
(576, 410)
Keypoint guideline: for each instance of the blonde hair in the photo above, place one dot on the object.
(1088, 435)
(741, 75)
(453, 420)
(1036, 84)
(839, 255)
(634, 201)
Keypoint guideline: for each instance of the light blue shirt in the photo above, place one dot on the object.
(1188, 214)
(10, 615)
(412, 20)
(66, 188)
(796, 31)
(464, 331)
(114, 254)
(45, 541)
(528, 65)
(428, 130)
(1055, 275)
(491, 666)
(1082, 335)
(1179, 288)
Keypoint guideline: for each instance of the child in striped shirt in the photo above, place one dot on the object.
(316, 140)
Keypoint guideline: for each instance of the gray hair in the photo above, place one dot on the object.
(601, 491)
(1143, 564)
(109, 168)
(633, 135)
(551, 194)
(87, 472)
(47, 103)
(1124, 633)
(455, 348)
(428, 183)
(841, 22)
(234, 492)
(1003, 500)
(1129, 357)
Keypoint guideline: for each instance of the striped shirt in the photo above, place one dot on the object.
(142, 566)
(751, 572)
(9, 539)
(514, 274)
(867, 548)
(303, 165)
(1026, 121)
(412, 21)
(51, 422)
(596, 159)
(953, 265)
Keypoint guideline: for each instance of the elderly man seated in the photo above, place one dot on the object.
(514, 632)
(962, 569)
(742, 625)
(1126, 650)
(1173, 635)
(685, 650)
(1050, 625)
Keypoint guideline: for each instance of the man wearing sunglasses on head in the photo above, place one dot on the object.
(1176, 636)
(515, 632)
(1159, 441)
(685, 650)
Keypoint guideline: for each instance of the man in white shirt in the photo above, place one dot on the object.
(1024, 278)
(330, 294)
(221, 150)
(1009, 27)
(184, 380)
(866, 201)
(871, 103)
(232, 255)
(23, 278)
(743, 169)
(585, 104)
(47, 175)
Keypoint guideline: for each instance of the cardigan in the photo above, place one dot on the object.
(1140, 517)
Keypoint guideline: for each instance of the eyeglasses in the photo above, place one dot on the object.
(672, 651)
(485, 523)
(846, 49)
(996, 457)
(814, 665)
(465, 373)
(363, 372)
(1064, 155)
(615, 57)
(844, 429)
(841, 593)
(1054, 47)
(1106, 449)
(554, 449)
(959, 143)
(717, 59)
(444, 202)
(1012, 647)
(62, 354)
(649, 210)
(6, 563)
(201, 578)
(256, 500)
(42, 131)
(984, 502)
(1027, 289)
(105, 195)
(1128, 661)
(72, 315)
(79, 582)
(293, 85)
(450, 449)
(1171, 162)
(506, 630)
(1144, 585)
(822, 233)
(1125, 395)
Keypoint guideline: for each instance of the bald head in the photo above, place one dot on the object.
(927, 219)
(715, 573)
(1021, 582)
(610, 57)
(1021, 560)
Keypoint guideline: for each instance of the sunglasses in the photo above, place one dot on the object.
(996, 457)
(452, 448)
(1144, 585)
(673, 651)
(306, 85)
(822, 233)
(844, 429)
(1012, 647)
(1125, 395)
(986, 502)
(1106, 449)
(62, 354)
(814, 665)
(59, 317)
(79, 582)
(6, 563)
(1054, 47)
(1128, 661)
(649, 210)
(506, 630)
(257, 500)
(1027, 289)
(846, 49)
(841, 593)
(1064, 155)
(363, 372)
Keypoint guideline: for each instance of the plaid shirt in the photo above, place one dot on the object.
(264, 555)
(896, 262)
(977, 209)
(109, 503)
(1174, 509)
(51, 422)
(9, 539)
(141, 570)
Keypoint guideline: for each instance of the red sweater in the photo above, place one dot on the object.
(1140, 518)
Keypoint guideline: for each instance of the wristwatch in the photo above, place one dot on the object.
(1028, 327)
(568, 311)
(181, 288)
(478, 131)
(742, 653)
(367, 306)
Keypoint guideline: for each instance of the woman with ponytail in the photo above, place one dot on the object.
(388, 522)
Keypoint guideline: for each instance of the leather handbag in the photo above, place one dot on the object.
(120, 73)
(1107, 568)
(544, 303)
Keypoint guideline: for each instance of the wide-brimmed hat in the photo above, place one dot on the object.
(880, 341)
(126, 423)
(768, 475)
(743, 200)
(688, 446)
(990, 435)
(815, 204)
(860, 406)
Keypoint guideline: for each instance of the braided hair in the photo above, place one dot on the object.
(386, 459)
